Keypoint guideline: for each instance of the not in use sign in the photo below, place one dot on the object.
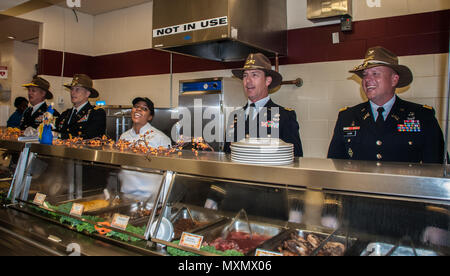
(193, 26)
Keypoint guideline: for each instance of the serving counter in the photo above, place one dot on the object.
(312, 207)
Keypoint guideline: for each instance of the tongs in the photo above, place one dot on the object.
(179, 212)
(142, 205)
(226, 230)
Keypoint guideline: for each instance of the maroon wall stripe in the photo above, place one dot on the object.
(49, 62)
(418, 34)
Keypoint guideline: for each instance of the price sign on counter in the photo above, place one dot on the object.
(266, 253)
(120, 221)
(77, 209)
(191, 240)
(39, 199)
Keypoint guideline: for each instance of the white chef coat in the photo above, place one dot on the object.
(137, 183)
(155, 138)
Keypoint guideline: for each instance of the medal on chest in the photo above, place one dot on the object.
(84, 118)
(351, 131)
(410, 124)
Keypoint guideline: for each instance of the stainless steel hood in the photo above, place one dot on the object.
(222, 30)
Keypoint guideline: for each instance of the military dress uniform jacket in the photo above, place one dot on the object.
(410, 133)
(272, 118)
(35, 120)
(88, 123)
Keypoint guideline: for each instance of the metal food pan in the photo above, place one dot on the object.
(124, 205)
(385, 249)
(276, 242)
(205, 219)
(211, 233)
(4, 186)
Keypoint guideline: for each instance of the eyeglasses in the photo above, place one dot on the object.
(141, 107)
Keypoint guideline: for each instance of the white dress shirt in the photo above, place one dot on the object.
(36, 107)
(258, 105)
(387, 108)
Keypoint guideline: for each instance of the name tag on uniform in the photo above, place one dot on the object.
(409, 126)
(351, 131)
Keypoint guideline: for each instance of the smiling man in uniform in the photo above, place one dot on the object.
(386, 128)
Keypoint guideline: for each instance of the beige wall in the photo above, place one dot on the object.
(327, 86)
(296, 10)
(62, 32)
(123, 30)
(21, 59)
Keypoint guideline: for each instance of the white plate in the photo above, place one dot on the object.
(165, 231)
(263, 159)
(267, 143)
(258, 156)
(254, 149)
(262, 152)
(264, 163)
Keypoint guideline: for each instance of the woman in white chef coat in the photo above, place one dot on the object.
(136, 183)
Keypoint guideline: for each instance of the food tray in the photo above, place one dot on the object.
(138, 213)
(384, 249)
(311, 249)
(214, 232)
(185, 215)
(4, 186)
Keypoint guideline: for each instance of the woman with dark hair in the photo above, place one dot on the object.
(21, 104)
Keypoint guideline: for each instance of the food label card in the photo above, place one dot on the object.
(191, 240)
(39, 199)
(77, 209)
(265, 253)
(120, 221)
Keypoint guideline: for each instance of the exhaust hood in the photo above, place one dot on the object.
(221, 30)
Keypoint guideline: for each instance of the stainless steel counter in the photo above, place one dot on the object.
(424, 181)
(309, 183)
(22, 234)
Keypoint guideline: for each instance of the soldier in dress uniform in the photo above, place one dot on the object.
(38, 92)
(264, 118)
(386, 128)
(83, 120)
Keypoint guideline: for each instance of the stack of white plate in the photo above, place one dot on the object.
(264, 151)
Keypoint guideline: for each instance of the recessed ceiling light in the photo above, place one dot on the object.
(11, 37)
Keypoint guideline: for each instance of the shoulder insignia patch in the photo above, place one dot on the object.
(343, 109)
(428, 107)
(289, 109)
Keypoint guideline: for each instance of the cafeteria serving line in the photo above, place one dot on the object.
(243, 167)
